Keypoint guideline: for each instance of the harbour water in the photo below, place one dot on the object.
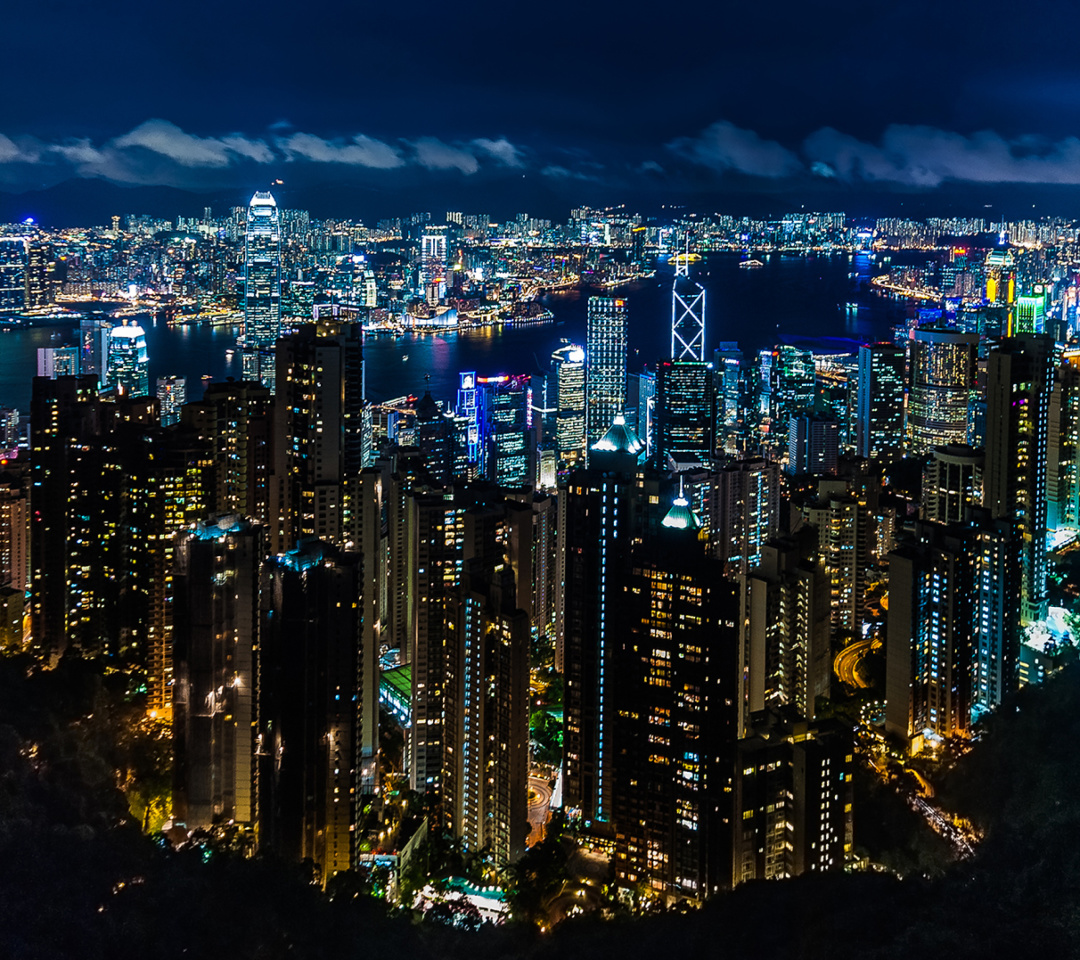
(799, 300)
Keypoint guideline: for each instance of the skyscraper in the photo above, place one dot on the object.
(879, 423)
(942, 380)
(813, 444)
(12, 274)
(952, 483)
(434, 244)
(687, 316)
(262, 288)
(128, 366)
(172, 395)
(568, 373)
(216, 640)
(605, 365)
(1019, 382)
(745, 513)
(674, 668)
(53, 362)
(685, 408)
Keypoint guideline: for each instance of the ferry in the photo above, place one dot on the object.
(750, 264)
(685, 258)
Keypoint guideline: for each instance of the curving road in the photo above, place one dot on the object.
(539, 809)
(844, 666)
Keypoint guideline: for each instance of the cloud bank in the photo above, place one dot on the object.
(909, 156)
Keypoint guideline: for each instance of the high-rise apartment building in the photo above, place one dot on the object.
(605, 365)
(1019, 378)
(813, 444)
(674, 666)
(879, 421)
(952, 483)
(744, 513)
(215, 663)
(262, 288)
(309, 709)
(953, 627)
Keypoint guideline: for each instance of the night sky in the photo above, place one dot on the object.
(369, 109)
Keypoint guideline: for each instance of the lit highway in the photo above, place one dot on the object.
(845, 666)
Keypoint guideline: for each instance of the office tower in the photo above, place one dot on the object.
(1000, 272)
(841, 520)
(318, 429)
(786, 612)
(172, 395)
(40, 270)
(879, 421)
(262, 288)
(685, 408)
(727, 368)
(953, 627)
(1063, 451)
(215, 665)
(10, 433)
(511, 448)
(942, 381)
(369, 291)
(234, 421)
(687, 316)
(641, 408)
(1019, 382)
(952, 482)
(793, 795)
(434, 248)
(605, 365)
(12, 274)
(309, 706)
(675, 670)
(436, 440)
(1029, 316)
(486, 769)
(533, 536)
(601, 502)
(470, 413)
(127, 367)
(94, 335)
(744, 513)
(55, 362)
(813, 444)
(566, 393)
(792, 383)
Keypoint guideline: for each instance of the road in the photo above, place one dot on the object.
(539, 809)
(848, 659)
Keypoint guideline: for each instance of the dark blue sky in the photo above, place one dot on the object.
(389, 104)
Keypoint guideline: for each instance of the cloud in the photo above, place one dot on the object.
(563, 173)
(723, 146)
(170, 141)
(921, 156)
(359, 151)
(436, 155)
(502, 150)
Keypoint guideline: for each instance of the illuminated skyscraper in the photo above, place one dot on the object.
(434, 248)
(1019, 383)
(40, 269)
(216, 642)
(172, 395)
(605, 365)
(1029, 315)
(952, 483)
(942, 380)
(685, 407)
(879, 423)
(953, 626)
(568, 394)
(813, 444)
(508, 429)
(262, 288)
(128, 365)
(12, 274)
(745, 513)
(675, 685)
(687, 315)
(55, 362)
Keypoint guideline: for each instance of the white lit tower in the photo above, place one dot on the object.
(262, 288)
(687, 314)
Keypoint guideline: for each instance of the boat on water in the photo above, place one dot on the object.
(685, 258)
(750, 264)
